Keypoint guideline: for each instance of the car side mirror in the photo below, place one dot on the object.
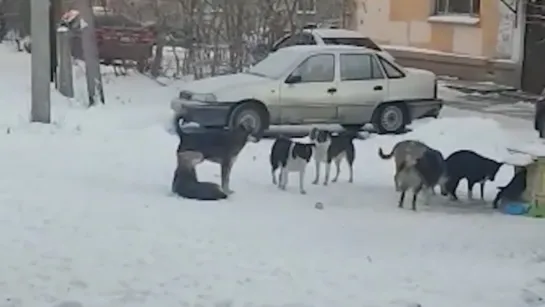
(274, 48)
(292, 79)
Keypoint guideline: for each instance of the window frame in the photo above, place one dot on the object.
(382, 60)
(292, 40)
(474, 5)
(307, 59)
(372, 58)
(311, 10)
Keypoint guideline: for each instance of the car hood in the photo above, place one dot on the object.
(217, 85)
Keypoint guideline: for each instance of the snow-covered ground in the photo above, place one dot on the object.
(87, 216)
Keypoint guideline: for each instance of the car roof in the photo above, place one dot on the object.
(327, 33)
(326, 48)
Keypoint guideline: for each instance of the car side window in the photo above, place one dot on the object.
(391, 71)
(317, 68)
(307, 39)
(289, 41)
(358, 67)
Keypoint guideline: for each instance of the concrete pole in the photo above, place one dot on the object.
(90, 53)
(41, 92)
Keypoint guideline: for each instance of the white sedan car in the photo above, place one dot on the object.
(345, 85)
(328, 36)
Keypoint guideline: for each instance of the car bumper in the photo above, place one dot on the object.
(205, 114)
(425, 108)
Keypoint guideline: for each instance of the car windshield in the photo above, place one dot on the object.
(275, 64)
(352, 41)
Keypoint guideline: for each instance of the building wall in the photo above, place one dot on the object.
(485, 47)
(396, 22)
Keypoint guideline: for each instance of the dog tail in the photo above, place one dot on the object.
(384, 156)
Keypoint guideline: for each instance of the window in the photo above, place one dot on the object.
(288, 41)
(352, 41)
(317, 68)
(306, 6)
(391, 71)
(457, 7)
(356, 67)
(306, 39)
(294, 40)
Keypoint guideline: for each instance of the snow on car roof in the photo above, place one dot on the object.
(321, 48)
(326, 33)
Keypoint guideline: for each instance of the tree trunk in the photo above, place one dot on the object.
(158, 58)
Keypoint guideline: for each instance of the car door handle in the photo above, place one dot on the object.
(377, 88)
(332, 90)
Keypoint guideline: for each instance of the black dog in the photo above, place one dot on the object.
(469, 165)
(290, 156)
(186, 184)
(513, 190)
(217, 145)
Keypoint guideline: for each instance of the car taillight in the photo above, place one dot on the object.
(435, 89)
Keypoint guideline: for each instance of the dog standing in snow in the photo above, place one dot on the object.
(290, 156)
(333, 147)
(469, 165)
(424, 173)
(405, 153)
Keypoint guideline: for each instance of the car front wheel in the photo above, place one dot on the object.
(390, 118)
(250, 115)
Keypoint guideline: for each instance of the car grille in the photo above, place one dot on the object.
(186, 95)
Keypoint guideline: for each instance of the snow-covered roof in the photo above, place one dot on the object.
(322, 48)
(326, 33)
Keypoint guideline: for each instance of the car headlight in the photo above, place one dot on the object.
(204, 97)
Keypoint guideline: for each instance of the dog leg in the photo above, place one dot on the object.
(401, 199)
(225, 175)
(338, 166)
(482, 189)
(273, 173)
(317, 177)
(469, 189)
(283, 178)
(280, 177)
(451, 188)
(327, 172)
(429, 192)
(351, 172)
(396, 185)
(415, 195)
(302, 182)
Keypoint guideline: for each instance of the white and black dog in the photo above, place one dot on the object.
(290, 156)
(333, 147)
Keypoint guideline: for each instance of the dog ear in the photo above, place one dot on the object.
(313, 133)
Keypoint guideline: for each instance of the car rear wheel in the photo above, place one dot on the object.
(390, 118)
(250, 115)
